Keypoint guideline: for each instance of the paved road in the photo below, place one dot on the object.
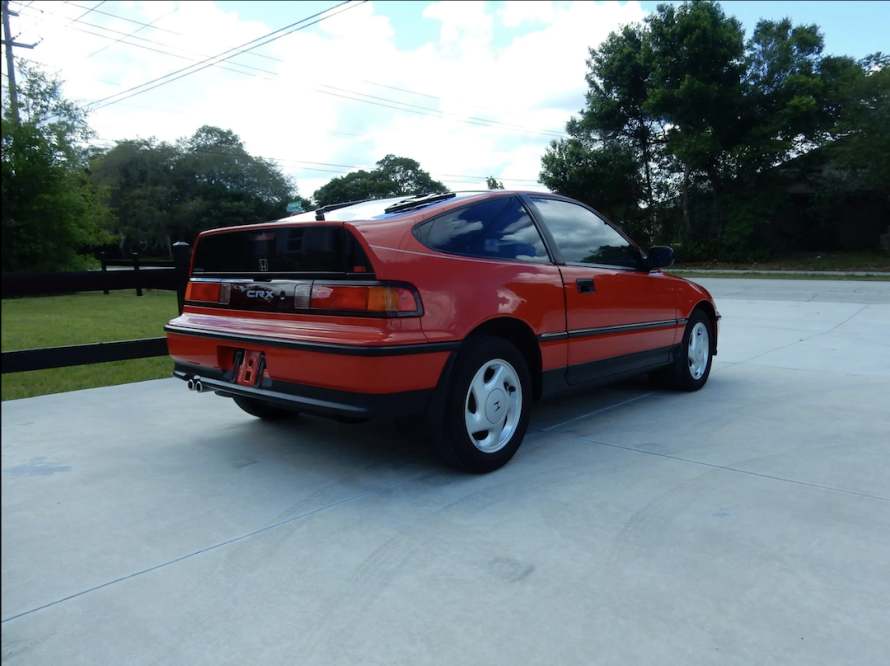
(746, 524)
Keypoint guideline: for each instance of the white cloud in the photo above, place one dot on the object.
(515, 13)
(296, 110)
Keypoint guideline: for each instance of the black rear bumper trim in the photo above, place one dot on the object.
(313, 399)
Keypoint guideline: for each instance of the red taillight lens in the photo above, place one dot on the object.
(366, 299)
(203, 292)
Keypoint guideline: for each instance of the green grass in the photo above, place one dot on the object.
(775, 276)
(875, 261)
(53, 321)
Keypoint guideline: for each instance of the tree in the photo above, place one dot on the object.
(685, 124)
(605, 178)
(862, 133)
(393, 177)
(50, 214)
(220, 184)
(162, 192)
(139, 180)
(696, 89)
(402, 175)
(493, 184)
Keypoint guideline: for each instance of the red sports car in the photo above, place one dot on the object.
(465, 307)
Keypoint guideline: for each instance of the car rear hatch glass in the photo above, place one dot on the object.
(299, 251)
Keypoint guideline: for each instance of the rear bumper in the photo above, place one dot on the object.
(329, 379)
(313, 399)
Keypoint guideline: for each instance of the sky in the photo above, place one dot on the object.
(468, 89)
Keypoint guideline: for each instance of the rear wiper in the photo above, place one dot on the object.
(418, 201)
(319, 212)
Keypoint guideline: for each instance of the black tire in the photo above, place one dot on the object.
(263, 410)
(686, 373)
(502, 382)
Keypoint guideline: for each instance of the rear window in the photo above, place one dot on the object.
(298, 249)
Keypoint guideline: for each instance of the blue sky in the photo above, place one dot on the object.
(469, 89)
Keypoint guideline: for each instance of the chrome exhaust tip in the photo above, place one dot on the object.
(199, 385)
(191, 384)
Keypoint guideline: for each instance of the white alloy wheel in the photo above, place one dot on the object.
(493, 405)
(699, 350)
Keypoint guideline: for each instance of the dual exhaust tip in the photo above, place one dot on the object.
(195, 384)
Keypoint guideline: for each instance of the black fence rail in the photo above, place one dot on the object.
(173, 278)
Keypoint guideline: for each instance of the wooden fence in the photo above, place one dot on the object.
(172, 276)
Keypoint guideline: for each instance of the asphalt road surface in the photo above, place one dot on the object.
(748, 523)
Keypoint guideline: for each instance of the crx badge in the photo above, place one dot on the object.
(259, 293)
(264, 264)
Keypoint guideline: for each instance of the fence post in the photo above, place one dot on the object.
(104, 270)
(136, 269)
(182, 255)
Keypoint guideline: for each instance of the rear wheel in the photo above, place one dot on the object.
(263, 410)
(487, 411)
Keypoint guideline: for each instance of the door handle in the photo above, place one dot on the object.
(585, 286)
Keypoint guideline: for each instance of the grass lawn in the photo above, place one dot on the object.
(53, 321)
(774, 276)
(860, 261)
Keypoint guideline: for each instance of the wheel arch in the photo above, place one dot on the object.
(519, 334)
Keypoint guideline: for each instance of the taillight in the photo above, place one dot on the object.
(362, 298)
(208, 292)
(371, 300)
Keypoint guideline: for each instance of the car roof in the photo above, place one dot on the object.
(376, 209)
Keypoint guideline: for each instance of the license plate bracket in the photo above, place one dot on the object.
(249, 372)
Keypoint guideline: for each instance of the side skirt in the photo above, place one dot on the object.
(606, 371)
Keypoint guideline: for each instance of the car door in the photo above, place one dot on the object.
(619, 316)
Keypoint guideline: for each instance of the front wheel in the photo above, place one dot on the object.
(487, 411)
(692, 367)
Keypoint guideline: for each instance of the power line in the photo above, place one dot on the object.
(470, 120)
(132, 34)
(88, 11)
(152, 41)
(401, 106)
(293, 27)
(483, 122)
(173, 55)
(436, 97)
(122, 18)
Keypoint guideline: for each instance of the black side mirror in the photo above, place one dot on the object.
(660, 257)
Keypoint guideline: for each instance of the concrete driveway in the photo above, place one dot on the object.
(748, 523)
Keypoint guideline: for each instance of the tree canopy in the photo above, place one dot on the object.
(50, 214)
(685, 123)
(161, 192)
(393, 177)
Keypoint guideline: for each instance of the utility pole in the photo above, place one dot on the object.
(10, 62)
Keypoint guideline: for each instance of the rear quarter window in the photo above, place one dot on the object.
(494, 229)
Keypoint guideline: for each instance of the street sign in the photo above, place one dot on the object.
(294, 207)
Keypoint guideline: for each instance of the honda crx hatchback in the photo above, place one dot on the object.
(464, 307)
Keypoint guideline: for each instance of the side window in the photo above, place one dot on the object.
(585, 238)
(496, 228)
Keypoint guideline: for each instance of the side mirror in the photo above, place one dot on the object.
(660, 257)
